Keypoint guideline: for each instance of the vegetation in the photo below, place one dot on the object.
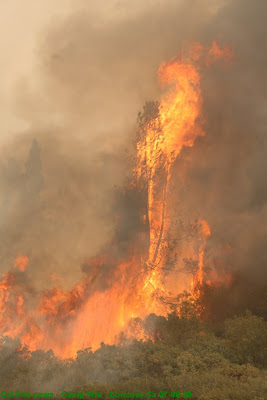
(214, 360)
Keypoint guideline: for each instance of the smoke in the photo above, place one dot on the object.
(94, 70)
(225, 171)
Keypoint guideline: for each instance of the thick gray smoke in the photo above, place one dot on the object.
(94, 71)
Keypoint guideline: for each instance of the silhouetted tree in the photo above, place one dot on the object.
(33, 177)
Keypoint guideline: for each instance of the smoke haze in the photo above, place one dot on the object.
(92, 70)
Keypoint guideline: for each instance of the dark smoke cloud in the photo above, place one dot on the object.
(94, 71)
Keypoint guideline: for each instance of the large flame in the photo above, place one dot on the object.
(85, 316)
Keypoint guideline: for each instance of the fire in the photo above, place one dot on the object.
(87, 315)
(177, 126)
(21, 263)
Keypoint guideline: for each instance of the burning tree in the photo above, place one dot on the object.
(136, 275)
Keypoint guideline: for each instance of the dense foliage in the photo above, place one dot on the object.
(215, 361)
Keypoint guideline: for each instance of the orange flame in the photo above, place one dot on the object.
(86, 315)
(21, 263)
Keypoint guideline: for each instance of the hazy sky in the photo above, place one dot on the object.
(21, 26)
